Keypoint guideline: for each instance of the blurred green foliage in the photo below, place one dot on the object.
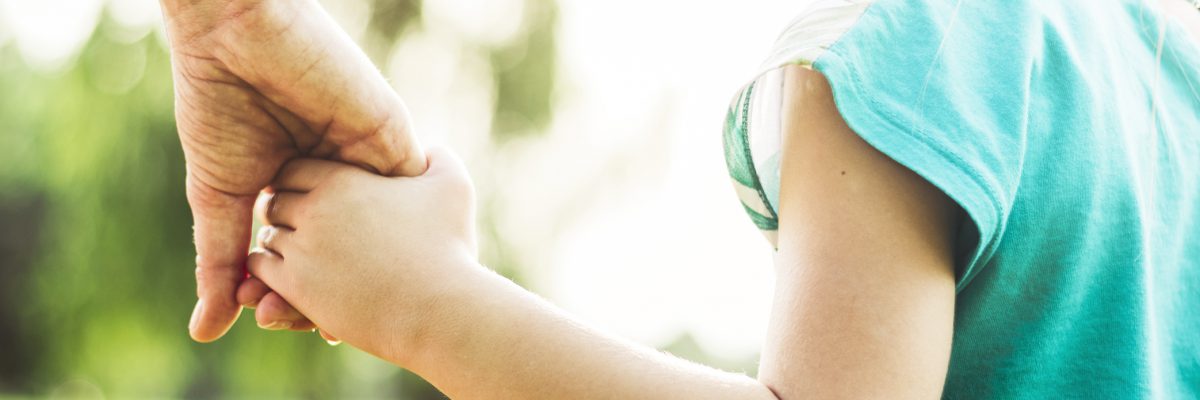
(524, 80)
(95, 240)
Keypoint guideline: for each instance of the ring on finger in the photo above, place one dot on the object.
(266, 234)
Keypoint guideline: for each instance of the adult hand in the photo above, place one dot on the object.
(258, 82)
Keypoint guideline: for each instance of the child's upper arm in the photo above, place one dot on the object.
(864, 301)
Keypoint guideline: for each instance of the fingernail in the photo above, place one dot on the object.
(277, 325)
(196, 314)
(333, 342)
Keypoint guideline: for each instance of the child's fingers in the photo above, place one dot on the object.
(275, 313)
(277, 208)
(281, 210)
(304, 174)
(333, 341)
(266, 266)
(275, 238)
(304, 325)
(251, 291)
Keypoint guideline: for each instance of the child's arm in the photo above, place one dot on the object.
(864, 297)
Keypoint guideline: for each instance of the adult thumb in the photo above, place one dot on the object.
(222, 228)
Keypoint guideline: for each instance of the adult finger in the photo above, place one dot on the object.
(305, 174)
(337, 84)
(389, 152)
(251, 291)
(222, 229)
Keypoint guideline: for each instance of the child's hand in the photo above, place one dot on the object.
(366, 257)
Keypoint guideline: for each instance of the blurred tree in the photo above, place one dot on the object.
(22, 214)
(525, 76)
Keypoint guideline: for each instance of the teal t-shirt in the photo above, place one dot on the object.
(1069, 133)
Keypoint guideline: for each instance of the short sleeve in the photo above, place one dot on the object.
(915, 81)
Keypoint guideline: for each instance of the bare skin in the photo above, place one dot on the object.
(259, 82)
(864, 304)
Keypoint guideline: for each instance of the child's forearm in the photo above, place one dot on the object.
(493, 339)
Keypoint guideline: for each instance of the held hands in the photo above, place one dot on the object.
(371, 260)
(259, 82)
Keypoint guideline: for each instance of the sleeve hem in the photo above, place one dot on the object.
(934, 161)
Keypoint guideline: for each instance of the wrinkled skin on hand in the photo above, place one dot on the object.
(259, 82)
